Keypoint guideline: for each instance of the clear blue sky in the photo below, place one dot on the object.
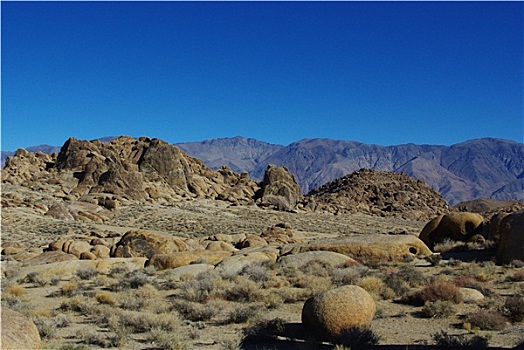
(376, 72)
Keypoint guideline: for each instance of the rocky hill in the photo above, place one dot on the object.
(380, 193)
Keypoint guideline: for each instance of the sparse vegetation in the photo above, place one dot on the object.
(437, 309)
(441, 290)
(487, 320)
(448, 341)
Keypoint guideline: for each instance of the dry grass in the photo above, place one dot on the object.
(15, 290)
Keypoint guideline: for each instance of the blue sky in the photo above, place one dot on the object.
(376, 72)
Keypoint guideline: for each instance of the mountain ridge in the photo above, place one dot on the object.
(479, 168)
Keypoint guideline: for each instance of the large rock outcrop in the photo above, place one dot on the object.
(380, 193)
(329, 314)
(19, 332)
(511, 245)
(453, 226)
(279, 189)
(372, 248)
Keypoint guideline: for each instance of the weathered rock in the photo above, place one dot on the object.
(78, 247)
(328, 314)
(141, 243)
(511, 246)
(87, 256)
(253, 241)
(279, 189)
(174, 260)
(101, 251)
(368, 248)
(452, 226)
(470, 295)
(380, 193)
(59, 211)
(220, 246)
(51, 257)
(234, 264)
(280, 234)
(328, 258)
(19, 332)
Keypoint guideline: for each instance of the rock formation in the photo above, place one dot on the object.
(453, 226)
(328, 314)
(511, 246)
(380, 193)
(19, 332)
(279, 189)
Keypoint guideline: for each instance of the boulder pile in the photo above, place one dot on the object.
(380, 193)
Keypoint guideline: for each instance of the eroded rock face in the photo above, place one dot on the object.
(511, 245)
(125, 168)
(452, 226)
(19, 332)
(328, 314)
(141, 243)
(371, 248)
(279, 189)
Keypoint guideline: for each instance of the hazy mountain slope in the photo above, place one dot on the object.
(238, 153)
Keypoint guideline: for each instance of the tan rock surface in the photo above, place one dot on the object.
(18, 332)
(339, 309)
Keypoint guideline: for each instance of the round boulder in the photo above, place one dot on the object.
(330, 313)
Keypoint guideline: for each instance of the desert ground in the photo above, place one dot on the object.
(129, 306)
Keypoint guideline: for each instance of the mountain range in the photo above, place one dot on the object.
(482, 168)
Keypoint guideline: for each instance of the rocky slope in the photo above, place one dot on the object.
(379, 193)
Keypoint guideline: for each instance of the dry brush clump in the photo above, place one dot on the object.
(487, 320)
(441, 290)
(438, 309)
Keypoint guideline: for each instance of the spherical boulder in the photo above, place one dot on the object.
(453, 226)
(330, 313)
(511, 246)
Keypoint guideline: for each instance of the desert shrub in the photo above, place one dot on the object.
(484, 271)
(514, 308)
(62, 321)
(118, 271)
(147, 291)
(101, 340)
(35, 278)
(194, 311)
(139, 322)
(202, 287)
(437, 309)
(441, 290)
(257, 272)
(87, 273)
(447, 245)
(46, 327)
(130, 301)
(470, 282)
(517, 276)
(272, 327)
(136, 279)
(316, 268)
(70, 346)
(165, 340)
(105, 298)
(243, 290)
(77, 304)
(314, 284)
(348, 275)
(372, 284)
(69, 289)
(487, 320)
(357, 338)
(444, 340)
(405, 278)
(15, 290)
(240, 314)
(292, 294)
